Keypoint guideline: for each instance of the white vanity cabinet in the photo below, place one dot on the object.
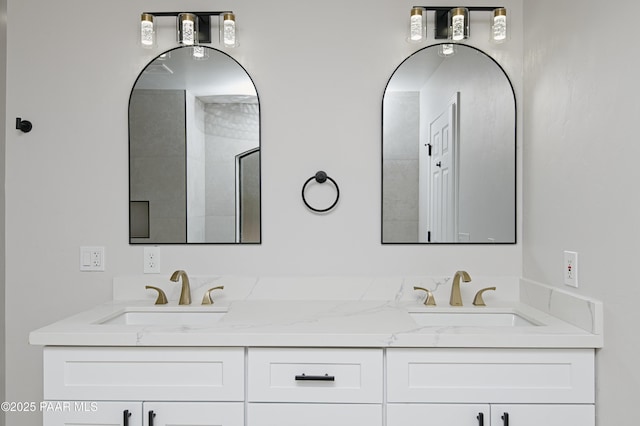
(490, 387)
(144, 386)
(314, 387)
(259, 386)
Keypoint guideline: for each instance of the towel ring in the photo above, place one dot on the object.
(321, 177)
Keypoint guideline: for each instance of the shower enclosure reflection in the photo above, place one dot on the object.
(194, 152)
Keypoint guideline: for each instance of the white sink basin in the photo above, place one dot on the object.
(178, 317)
(470, 319)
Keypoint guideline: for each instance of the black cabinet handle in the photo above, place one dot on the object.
(505, 419)
(151, 416)
(125, 417)
(480, 418)
(325, 378)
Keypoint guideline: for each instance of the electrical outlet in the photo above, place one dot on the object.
(570, 266)
(152, 260)
(92, 259)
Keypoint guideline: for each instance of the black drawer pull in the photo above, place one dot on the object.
(480, 418)
(505, 419)
(151, 416)
(325, 378)
(125, 417)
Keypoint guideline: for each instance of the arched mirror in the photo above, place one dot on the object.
(449, 150)
(194, 151)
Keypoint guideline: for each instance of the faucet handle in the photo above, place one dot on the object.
(478, 300)
(207, 300)
(162, 298)
(429, 300)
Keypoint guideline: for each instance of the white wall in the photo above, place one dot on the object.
(3, 67)
(581, 174)
(321, 95)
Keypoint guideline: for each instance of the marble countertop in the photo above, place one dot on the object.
(292, 323)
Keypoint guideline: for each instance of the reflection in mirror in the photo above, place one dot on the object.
(449, 150)
(194, 152)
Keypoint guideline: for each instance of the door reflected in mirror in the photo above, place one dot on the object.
(449, 150)
(194, 152)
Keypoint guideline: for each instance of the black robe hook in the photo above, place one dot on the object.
(23, 125)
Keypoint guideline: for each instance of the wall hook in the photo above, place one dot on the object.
(23, 125)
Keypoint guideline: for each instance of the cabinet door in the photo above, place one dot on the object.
(84, 413)
(548, 415)
(144, 373)
(260, 414)
(516, 376)
(193, 414)
(438, 415)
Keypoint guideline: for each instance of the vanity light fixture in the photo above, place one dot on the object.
(187, 29)
(417, 25)
(229, 35)
(192, 28)
(147, 31)
(499, 25)
(454, 23)
(459, 23)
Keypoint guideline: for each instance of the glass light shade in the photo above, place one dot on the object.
(200, 53)
(417, 27)
(187, 29)
(499, 25)
(229, 31)
(147, 31)
(459, 23)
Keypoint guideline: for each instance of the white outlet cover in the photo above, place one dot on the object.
(151, 260)
(92, 259)
(570, 268)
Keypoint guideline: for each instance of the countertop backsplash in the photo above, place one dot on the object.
(393, 289)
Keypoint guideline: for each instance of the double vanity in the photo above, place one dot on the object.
(252, 358)
(324, 351)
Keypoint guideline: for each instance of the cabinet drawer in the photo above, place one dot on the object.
(160, 374)
(314, 414)
(490, 375)
(315, 375)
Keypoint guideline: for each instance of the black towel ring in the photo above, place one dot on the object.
(321, 177)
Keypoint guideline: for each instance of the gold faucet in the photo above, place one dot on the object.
(185, 294)
(162, 298)
(206, 299)
(478, 300)
(456, 298)
(429, 300)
